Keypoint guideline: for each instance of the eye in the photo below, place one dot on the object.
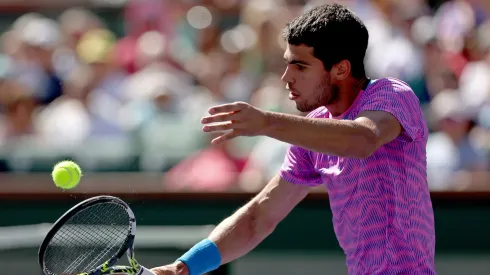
(301, 67)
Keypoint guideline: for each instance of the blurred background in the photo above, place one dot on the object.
(119, 86)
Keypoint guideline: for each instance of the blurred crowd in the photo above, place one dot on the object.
(70, 85)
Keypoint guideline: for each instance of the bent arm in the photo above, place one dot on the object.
(357, 138)
(246, 228)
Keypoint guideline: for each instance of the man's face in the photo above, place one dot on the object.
(307, 80)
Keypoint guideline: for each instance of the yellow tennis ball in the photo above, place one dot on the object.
(66, 174)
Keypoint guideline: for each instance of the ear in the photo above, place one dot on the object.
(342, 70)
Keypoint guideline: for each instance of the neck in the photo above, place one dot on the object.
(347, 95)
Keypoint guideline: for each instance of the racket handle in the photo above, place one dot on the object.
(145, 271)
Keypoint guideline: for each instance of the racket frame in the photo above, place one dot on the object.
(108, 266)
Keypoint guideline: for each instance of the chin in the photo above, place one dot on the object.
(305, 108)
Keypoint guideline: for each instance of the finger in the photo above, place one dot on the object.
(220, 127)
(226, 108)
(225, 137)
(220, 118)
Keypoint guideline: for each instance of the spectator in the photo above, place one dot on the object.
(451, 153)
(40, 38)
(212, 169)
(93, 95)
(147, 77)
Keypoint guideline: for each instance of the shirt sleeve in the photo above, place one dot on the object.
(298, 168)
(398, 99)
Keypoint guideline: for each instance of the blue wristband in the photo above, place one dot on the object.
(202, 257)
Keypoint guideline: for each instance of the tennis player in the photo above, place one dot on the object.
(363, 139)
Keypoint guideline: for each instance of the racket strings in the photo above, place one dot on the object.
(105, 254)
(88, 239)
(79, 260)
(102, 255)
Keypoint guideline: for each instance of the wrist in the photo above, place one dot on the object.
(270, 122)
(181, 268)
(201, 258)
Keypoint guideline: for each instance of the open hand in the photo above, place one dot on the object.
(238, 118)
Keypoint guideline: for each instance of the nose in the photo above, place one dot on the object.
(287, 76)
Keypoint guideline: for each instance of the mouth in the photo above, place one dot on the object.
(293, 95)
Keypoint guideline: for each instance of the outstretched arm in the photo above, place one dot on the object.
(357, 138)
(251, 224)
(245, 229)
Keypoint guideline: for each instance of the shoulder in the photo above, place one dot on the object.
(391, 90)
(390, 86)
(394, 96)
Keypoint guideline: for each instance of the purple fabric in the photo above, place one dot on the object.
(382, 211)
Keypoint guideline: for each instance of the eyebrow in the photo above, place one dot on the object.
(296, 61)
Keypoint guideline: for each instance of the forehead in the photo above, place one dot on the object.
(300, 52)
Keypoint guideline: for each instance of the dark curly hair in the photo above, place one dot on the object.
(335, 33)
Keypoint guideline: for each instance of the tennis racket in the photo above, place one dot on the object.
(90, 238)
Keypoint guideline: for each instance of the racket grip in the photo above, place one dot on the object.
(145, 271)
